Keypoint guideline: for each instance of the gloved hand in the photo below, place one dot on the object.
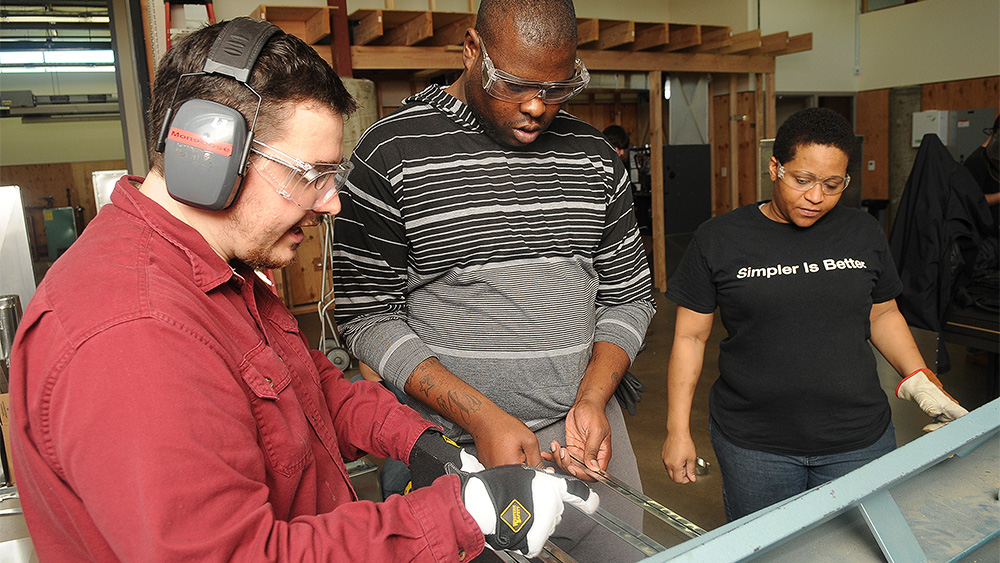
(930, 397)
(629, 392)
(432, 455)
(518, 507)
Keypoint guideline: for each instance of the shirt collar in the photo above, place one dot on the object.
(437, 98)
(208, 269)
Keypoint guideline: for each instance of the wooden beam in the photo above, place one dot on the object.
(771, 109)
(368, 27)
(742, 42)
(452, 33)
(771, 44)
(713, 155)
(643, 61)
(413, 31)
(683, 36)
(760, 127)
(713, 38)
(648, 36)
(367, 57)
(734, 143)
(340, 44)
(797, 44)
(587, 30)
(656, 142)
(615, 33)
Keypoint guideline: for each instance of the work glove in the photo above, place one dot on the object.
(629, 392)
(518, 507)
(929, 395)
(432, 455)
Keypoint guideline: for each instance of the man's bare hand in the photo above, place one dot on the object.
(506, 441)
(588, 438)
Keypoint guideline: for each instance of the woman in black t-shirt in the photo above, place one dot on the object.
(801, 286)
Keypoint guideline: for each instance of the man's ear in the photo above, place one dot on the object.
(772, 166)
(470, 48)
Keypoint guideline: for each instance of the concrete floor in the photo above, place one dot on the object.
(699, 502)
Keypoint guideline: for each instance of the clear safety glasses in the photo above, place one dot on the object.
(803, 181)
(509, 88)
(308, 185)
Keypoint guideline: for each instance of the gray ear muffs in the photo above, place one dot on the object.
(205, 143)
(204, 159)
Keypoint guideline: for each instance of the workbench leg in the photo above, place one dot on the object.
(890, 529)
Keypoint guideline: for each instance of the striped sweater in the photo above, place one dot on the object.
(506, 264)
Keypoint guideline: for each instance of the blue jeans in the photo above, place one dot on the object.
(753, 479)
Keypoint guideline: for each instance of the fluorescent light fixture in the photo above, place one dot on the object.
(79, 57)
(57, 61)
(54, 19)
(60, 68)
(21, 57)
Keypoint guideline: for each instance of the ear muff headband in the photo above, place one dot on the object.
(206, 144)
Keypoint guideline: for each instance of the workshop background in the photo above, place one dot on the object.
(704, 82)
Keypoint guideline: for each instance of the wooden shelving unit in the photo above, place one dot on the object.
(423, 43)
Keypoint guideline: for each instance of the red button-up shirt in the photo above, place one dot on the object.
(166, 407)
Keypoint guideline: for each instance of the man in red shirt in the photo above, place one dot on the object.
(166, 406)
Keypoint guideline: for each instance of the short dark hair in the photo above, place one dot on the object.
(617, 136)
(813, 126)
(537, 22)
(287, 72)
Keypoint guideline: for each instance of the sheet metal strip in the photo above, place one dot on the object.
(550, 554)
(678, 522)
(636, 539)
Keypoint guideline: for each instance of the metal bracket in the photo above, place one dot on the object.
(893, 534)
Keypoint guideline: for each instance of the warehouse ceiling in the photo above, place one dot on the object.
(27, 25)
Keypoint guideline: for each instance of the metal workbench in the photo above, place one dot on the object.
(934, 499)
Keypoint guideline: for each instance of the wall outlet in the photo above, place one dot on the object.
(871, 165)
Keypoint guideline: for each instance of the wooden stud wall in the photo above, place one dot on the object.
(872, 117)
(721, 198)
(657, 138)
(614, 107)
(746, 135)
(962, 94)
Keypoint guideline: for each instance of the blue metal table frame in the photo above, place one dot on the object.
(934, 499)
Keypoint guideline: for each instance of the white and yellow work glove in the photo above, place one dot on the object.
(928, 393)
(434, 455)
(518, 507)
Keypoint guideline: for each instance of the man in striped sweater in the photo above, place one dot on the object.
(487, 258)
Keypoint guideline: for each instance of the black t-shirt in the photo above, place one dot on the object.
(797, 374)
